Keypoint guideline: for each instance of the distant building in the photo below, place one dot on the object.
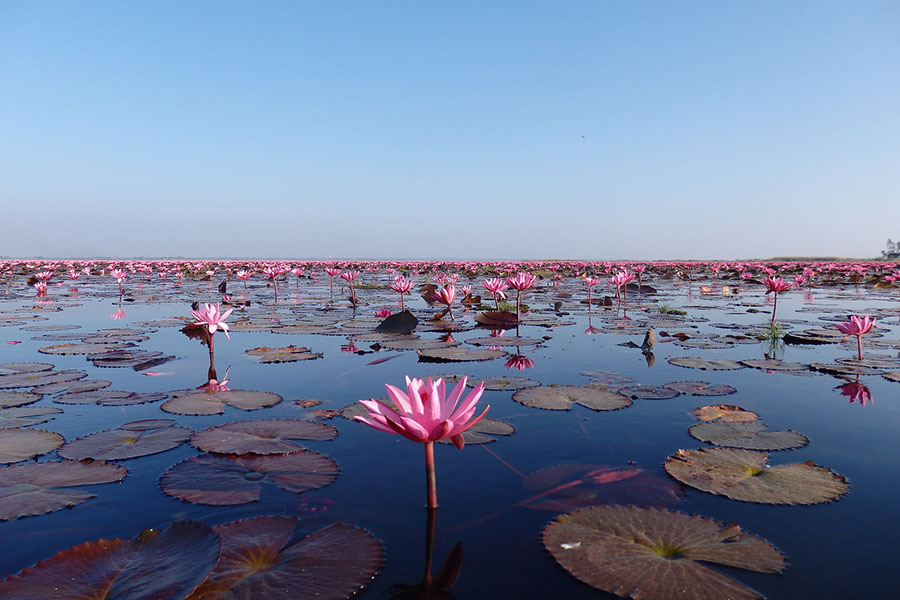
(892, 250)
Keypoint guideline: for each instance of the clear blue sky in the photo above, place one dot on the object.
(424, 129)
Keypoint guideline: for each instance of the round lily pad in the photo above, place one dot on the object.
(69, 349)
(228, 480)
(258, 561)
(459, 354)
(774, 364)
(21, 444)
(607, 377)
(206, 402)
(163, 565)
(556, 397)
(501, 383)
(84, 385)
(700, 388)
(104, 397)
(25, 416)
(654, 554)
(871, 362)
(282, 355)
(744, 475)
(37, 378)
(747, 434)
(130, 440)
(483, 431)
(649, 392)
(266, 436)
(892, 376)
(723, 412)
(10, 399)
(503, 341)
(838, 369)
(694, 362)
(24, 367)
(34, 488)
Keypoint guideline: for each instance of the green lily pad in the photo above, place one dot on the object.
(654, 554)
(265, 436)
(744, 475)
(557, 397)
(747, 434)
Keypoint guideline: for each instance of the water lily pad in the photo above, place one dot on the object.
(501, 383)
(24, 367)
(700, 388)
(870, 362)
(37, 378)
(206, 402)
(83, 385)
(892, 376)
(694, 362)
(747, 434)
(163, 565)
(459, 354)
(419, 344)
(104, 397)
(654, 554)
(266, 436)
(507, 320)
(34, 488)
(139, 360)
(257, 562)
(139, 438)
(283, 355)
(72, 348)
(228, 480)
(607, 377)
(774, 364)
(21, 444)
(10, 399)
(402, 322)
(503, 341)
(25, 416)
(649, 392)
(723, 412)
(838, 369)
(562, 397)
(744, 475)
(483, 431)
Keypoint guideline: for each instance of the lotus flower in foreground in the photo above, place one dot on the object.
(426, 413)
(211, 316)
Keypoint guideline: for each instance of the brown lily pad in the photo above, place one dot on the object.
(501, 383)
(649, 553)
(838, 369)
(483, 431)
(257, 561)
(562, 397)
(774, 364)
(104, 397)
(139, 438)
(723, 412)
(459, 354)
(37, 378)
(744, 475)
(649, 392)
(892, 376)
(282, 355)
(21, 444)
(84, 385)
(747, 434)
(163, 565)
(265, 436)
(72, 348)
(206, 402)
(34, 488)
(503, 341)
(25, 416)
(11, 399)
(700, 388)
(695, 362)
(24, 367)
(229, 480)
(607, 377)
(506, 320)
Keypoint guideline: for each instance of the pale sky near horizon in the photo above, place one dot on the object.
(518, 129)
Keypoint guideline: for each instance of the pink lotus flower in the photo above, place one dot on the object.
(858, 327)
(211, 316)
(426, 414)
(521, 281)
(350, 277)
(118, 274)
(519, 362)
(445, 296)
(776, 285)
(402, 286)
(41, 287)
(495, 286)
(384, 313)
(43, 275)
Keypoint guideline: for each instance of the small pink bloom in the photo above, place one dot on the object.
(384, 313)
(211, 316)
(777, 285)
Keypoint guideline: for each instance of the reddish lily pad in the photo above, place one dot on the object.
(21, 444)
(459, 354)
(282, 355)
(744, 475)
(747, 434)
(163, 565)
(139, 438)
(649, 553)
(258, 562)
(24, 367)
(507, 320)
(10, 399)
(723, 412)
(556, 397)
(207, 402)
(649, 392)
(266, 436)
(700, 388)
(25, 416)
(34, 488)
(229, 480)
(694, 362)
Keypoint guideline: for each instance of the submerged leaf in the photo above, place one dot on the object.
(700, 388)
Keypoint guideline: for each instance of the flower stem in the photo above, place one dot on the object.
(429, 475)
(859, 346)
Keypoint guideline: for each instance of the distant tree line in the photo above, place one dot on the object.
(892, 250)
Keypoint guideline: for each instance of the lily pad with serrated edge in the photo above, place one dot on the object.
(34, 488)
(892, 376)
(871, 362)
(744, 475)
(501, 383)
(137, 359)
(131, 440)
(72, 349)
(837, 369)
(483, 431)
(229, 480)
(649, 553)
(700, 388)
(73, 387)
(459, 354)
(24, 367)
(355, 409)
(206, 402)
(106, 397)
(163, 565)
(747, 434)
(503, 341)
(21, 444)
(11, 399)
(649, 392)
(264, 436)
(20, 380)
(723, 412)
(329, 564)
(774, 364)
(695, 362)
(562, 397)
(25, 416)
(283, 355)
